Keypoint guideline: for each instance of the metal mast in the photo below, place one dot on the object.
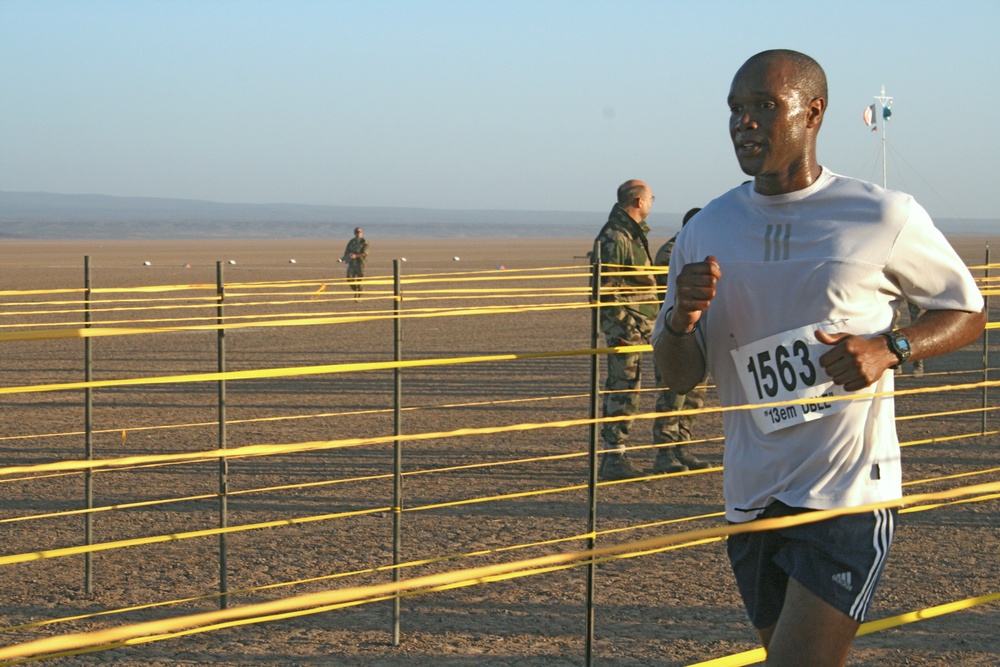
(884, 105)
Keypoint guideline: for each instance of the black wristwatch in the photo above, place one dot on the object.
(900, 346)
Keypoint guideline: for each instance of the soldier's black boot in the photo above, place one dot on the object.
(666, 462)
(616, 466)
(690, 460)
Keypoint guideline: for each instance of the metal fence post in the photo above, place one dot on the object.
(595, 378)
(986, 341)
(397, 462)
(223, 461)
(88, 430)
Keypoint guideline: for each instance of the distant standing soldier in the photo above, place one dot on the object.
(674, 429)
(355, 256)
(629, 305)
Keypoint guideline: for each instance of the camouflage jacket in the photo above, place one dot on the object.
(358, 247)
(663, 259)
(622, 241)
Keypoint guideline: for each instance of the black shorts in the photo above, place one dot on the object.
(840, 560)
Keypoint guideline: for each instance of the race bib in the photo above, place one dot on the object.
(784, 367)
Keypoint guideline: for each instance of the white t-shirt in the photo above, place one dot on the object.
(840, 254)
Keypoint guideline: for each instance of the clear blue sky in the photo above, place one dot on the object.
(476, 104)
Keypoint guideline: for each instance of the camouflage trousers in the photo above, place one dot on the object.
(675, 429)
(355, 272)
(622, 397)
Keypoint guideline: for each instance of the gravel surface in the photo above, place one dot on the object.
(675, 607)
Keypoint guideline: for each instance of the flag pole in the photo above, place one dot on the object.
(884, 103)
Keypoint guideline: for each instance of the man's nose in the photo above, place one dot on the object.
(745, 121)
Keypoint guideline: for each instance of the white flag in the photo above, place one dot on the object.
(870, 116)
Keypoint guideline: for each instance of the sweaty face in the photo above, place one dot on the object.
(768, 123)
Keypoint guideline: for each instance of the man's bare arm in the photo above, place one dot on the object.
(681, 362)
(680, 359)
(858, 361)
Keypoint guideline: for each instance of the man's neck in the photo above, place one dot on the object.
(799, 177)
(632, 213)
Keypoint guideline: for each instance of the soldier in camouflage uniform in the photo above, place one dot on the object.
(674, 429)
(629, 307)
(355, 256)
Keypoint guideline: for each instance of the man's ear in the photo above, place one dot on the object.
(817, 107)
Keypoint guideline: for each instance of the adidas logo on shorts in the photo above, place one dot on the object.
(844, 579)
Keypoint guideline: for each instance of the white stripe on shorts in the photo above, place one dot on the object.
(881, 539)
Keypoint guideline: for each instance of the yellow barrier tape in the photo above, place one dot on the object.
(491, 464)
(109, 508)
(945, 478)
(342, 575)
(299, 321)
(576, 272)
(963, 501)
(292, 371)
(158, 539)
(461, 556)
(451, 405)
(746, 658)
(324, 517)
(437, 559)
(946, 438)
(758, 655)
(258, 450)
(30, 292)
(319, 415)
(405, 281)
(924, 614)
(313, 320)
(176, 537)
(949, 413)
(330, 444)
(266, 318)
(363, 366)
(359, 593)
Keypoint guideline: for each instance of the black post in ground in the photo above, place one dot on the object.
(223, 461)
(88, 434)
(397, 462)
(595, 378)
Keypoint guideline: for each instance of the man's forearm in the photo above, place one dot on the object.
(681, 361)
(939, 332)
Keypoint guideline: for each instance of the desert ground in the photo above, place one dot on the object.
(467, 499)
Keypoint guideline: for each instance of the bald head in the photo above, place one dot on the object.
(636, 198)
(808, 78)
(631, 190)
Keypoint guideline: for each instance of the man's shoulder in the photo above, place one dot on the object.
(723, 204)
(613, 229)
(869, 202)
(665, 251)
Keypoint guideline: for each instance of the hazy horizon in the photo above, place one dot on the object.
(53, 216)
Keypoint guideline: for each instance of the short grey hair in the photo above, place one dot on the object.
(629, 191)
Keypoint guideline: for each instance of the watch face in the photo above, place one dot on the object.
(900, 345)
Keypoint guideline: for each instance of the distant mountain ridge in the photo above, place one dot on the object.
(40, 215)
